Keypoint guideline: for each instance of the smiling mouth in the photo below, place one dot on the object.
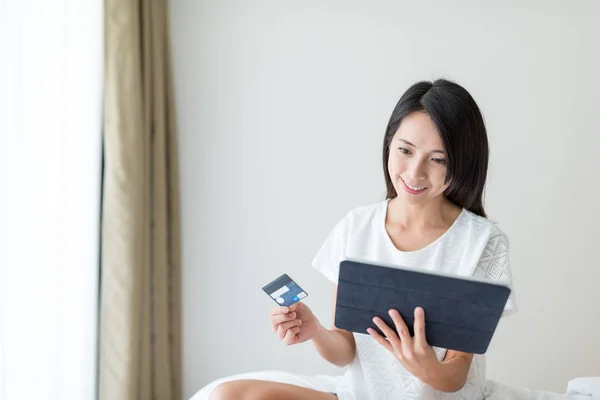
(415, 187)
(411, 188)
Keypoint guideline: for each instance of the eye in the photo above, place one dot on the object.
(439, 161)
(403, 150)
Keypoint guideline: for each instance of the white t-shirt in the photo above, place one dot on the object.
(472, 246)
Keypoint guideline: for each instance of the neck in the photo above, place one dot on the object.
(432, 214)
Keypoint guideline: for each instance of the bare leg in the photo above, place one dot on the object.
(248, 389)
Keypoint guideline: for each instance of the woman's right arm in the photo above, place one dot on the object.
(335, 345)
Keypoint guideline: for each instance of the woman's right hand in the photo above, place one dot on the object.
(294, 324)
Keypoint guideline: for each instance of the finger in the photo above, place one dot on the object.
(389, 333)
(295, 306)
(401, 328)
(420, 340)
(278, 310)
(381, 340)
(284, 327)
(291, 336)
(280, 318)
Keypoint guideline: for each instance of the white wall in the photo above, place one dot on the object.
(50, 148)
(281, 109)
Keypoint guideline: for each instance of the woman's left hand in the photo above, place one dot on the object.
(413, 353)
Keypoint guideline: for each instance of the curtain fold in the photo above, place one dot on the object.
(140, 344)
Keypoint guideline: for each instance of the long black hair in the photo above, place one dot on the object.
(462, 130)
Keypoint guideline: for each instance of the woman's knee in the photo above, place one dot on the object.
(232, 390)
(249, 389)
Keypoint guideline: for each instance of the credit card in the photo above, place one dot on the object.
(284, 291)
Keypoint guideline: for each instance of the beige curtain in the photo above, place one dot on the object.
(139, 355)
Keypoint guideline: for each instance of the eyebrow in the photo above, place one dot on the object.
(410, 144)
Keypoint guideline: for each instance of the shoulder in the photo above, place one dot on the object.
(365, 214)
(366, 209)
(355, 219)
(483, 243)
(479, 228)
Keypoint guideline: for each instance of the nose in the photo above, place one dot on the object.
(417, 169)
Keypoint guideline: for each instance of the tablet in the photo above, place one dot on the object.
(460, 313)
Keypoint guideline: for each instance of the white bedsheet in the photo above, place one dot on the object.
(587, 386)
(498, 391)
(580, 388)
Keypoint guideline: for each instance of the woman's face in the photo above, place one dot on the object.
(417, 160)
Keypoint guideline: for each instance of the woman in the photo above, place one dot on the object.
(435, 160)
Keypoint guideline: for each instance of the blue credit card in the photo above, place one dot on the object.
(284, 291)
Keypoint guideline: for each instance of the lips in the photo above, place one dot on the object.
(412, 189)
(417, 188)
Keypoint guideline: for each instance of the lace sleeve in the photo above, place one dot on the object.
(494, 264)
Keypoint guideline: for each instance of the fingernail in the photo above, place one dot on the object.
(293, 315)
(299, 322)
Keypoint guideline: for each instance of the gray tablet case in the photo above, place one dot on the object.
(460, 313)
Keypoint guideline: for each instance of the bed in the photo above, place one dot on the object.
(584, 388)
